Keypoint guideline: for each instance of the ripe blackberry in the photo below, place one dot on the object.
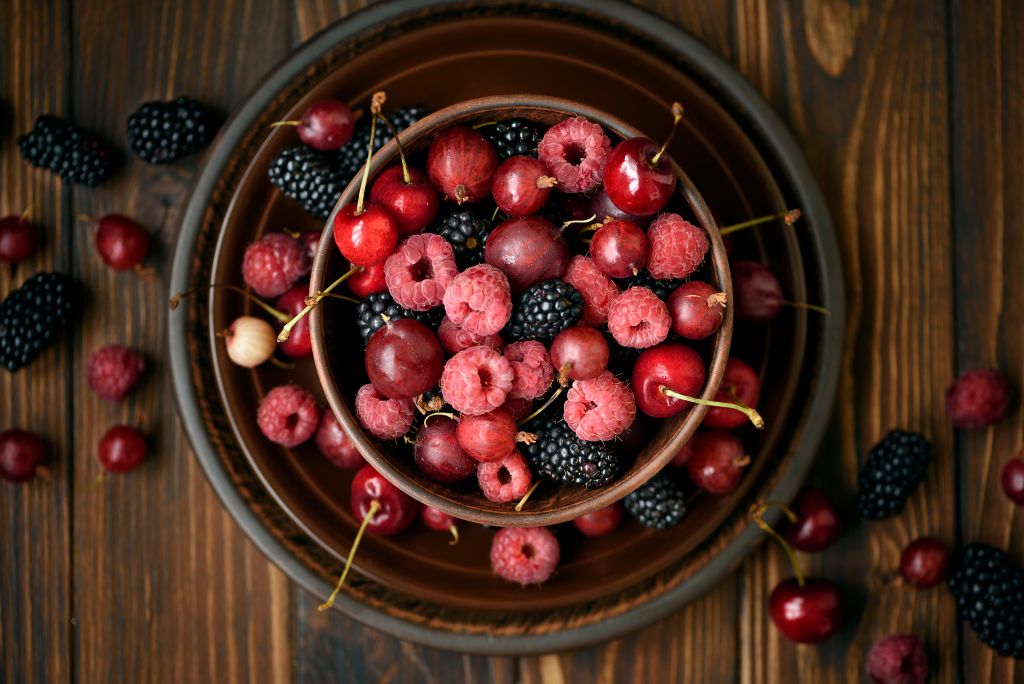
(161, 132)
(73, 153)
(559, 454)
(544, 310)
(514, 137)
(661, 288)
(989, 593)
(658, 504)
(466, 230)
(373, 309)
(314, 179)
(894, 468)
(32, 315)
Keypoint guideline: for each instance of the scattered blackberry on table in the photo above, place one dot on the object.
(989, 593)
(73, 153)
(659, 504)
(466, 230)
(559, 454)
(514, 137)
(314, 179)
(894, 468)
(372, 310)
(161, 132)
(32, 315)
(661, 288)
(544, 310)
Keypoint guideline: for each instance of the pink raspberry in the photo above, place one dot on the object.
(335, 445)
(518, 407)
(420, 270)
(272, 264)
(288, 415)
(476, 380)
(638, 319)
(526, 555)
(531, 364)
(479, 300)
(677, 247)
(386, 418)
(977, 399)
(597, 289)
(897, 659)
(506, 479)
(456, 339)
(575, 152)
(599, 409)
(113, 371)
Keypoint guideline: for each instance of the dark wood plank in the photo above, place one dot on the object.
(988, 192)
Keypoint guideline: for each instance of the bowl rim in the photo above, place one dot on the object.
(514, 106)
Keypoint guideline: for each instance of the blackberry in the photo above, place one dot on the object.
(661, 288)
(466, 231)
(989, 593)
(658, 504)
(32, 315)
(161, 132)
(401, 119)
(620, 359)
(894, 468)
(514, 137)
(314, 179)
(73, 153)
(545, 310)
(559, 454)
(376, 306)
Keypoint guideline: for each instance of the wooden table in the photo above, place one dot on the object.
(909, 112)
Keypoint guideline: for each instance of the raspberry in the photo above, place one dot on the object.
(977, 399)
(526, 555)
(476, 380)
(506, 479)
(897, 659)
(273, 263)
(677, 247)
(456, 339)
(335, 445)
(479, 300)
(598, 290)
(383, 417)
(599, 409)
(288, 415)
(113, 371)
(575, 152)
(532, 367)
(638, 319)
(420, 271)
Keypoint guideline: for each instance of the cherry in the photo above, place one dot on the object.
(604, 209)
(573, 206)
(325, 125)
(121, 242)
(619, 248)
(740, 385)
(757, 293)
(816, 526)
(404, 359)
(682, 456)
(19, 239)
(441, 522)
(600, 522)
(335, 445)
(122, 448)
(528, 250)
(579, 353)
(309, 239)
(299, 343)
(407, 196)
(461, 163)
(808, 612)
(668, 365)
(437, 452)
(638, 177)
(923, 563)
(22, 454)
(717, 462)
(488, 437)
(249, 341)
(368, 281)
(697, 309)
(521, 186)
(1013, 480)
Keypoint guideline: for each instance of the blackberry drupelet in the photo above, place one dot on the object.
(559, 454)
(661, 288)
(314, 179)
(514, 137)
(161, 132)
(466, 231)
(658, 504)
(372, 310)
(73, 153)
(544, 310)
(989, 593)
(32, 315)
(894, 468)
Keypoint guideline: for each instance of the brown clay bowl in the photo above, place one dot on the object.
(338, 351)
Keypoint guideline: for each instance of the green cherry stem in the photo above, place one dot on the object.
(176, 299)
(287, 329)
(529, 493)
(750, 413)
(543, 406)
(788, 217)
(757, 513)
(677, 116)
(374, 507)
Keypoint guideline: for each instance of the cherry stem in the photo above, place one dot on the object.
(750, 413)
(677, 116)
(565, 225)
(285, 123)
(425, 407)
(331, 295)
(526, 437)
(287, 329)
(485, 123)
(97, 480)
(757, 513)
(495, 214)
(279, 315)
(529, 493)
(545, 182)
(427, 417)
(28, 211)
(374, 507)
(717, 299)
(406, 178)
(788, 217)
(455, 535)
(282, 364)
(293, 234)
(543, 406)
(810, 307)
(377, 101)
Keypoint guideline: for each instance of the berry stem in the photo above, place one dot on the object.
(176, 299)
(485, 123)
(331, 295)
(427, 417)
(376, 103)
(406, 178)
(282, 364)
(677, 116)
(455, 535)
(543, 406)
(757, 513)
(788, 217)
(276, 124)
(592, 217)
(374, 507)
(810, 307)
(523, 437)
(529, 493)
(287, 329)
(28, 211)
(717, 299)
(750, 413)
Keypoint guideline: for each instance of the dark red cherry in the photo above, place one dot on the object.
(1013, 480)
(397, 510)
(365, 238)
(461, 163)
(22, 454)
(436, 519)
(570, 206)
(697, 310)
(299, 343)
(741, 385)
(635, 180)
(413, 205)
(438, 454)
(717, 462)
(528, 250)
(603, 209)
(521, 186)
(807, 614)
(487, 437)
(311, 241)
(619, 248)
(335, 445)
(670, 365)
(404, 359)
(579, 353)
(122, 448)
(757, 294)
(600, 522)
(923, 563)
(368, 281)
(326, 125)
(818, 525)
(19, 239)
(682, 456)
(121, 242)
